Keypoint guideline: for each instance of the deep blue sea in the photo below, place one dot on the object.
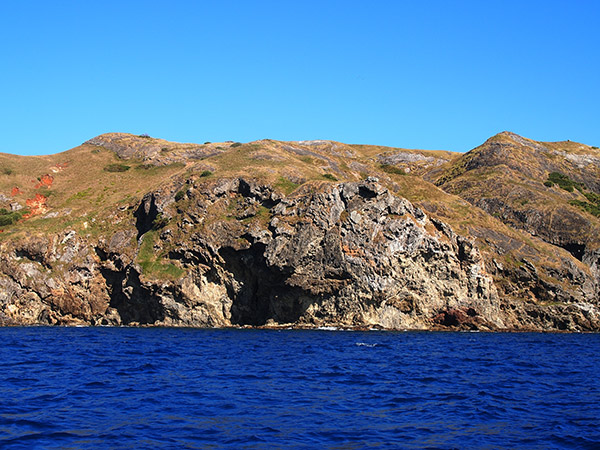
(125, 388)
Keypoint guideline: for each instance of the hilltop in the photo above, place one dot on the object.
(136, 230)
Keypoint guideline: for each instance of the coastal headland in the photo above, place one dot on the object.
(135, 230)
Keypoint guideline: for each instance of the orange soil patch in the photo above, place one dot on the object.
(45, 180)
(37, 205)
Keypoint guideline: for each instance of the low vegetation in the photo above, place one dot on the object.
(9, 217)
(263, 215)
(152, 265)
(563, 181)
(179, 195)
(592, 206)
(388, 168)
(286, 185)
(116, 167)
(81, 194)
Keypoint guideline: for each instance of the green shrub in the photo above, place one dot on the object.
(594, 198)
(7, 171)
(330, 177)
(5, 220)
(116, 167)
(9, 217)
(179, 196)
(145, 136)
(592, 206)
(563, 181)
(548, 183)
(392, 169)
(207, 142)
(593, 209)
(236, 144)
(206, 173)
(145, 166)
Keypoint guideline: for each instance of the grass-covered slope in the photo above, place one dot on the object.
(549, 189)
(88, 186)
(83, 188)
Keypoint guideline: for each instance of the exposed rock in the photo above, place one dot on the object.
(350, 254)
(404, 157)
(151, 150)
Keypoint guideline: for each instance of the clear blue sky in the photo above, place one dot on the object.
(416, 74)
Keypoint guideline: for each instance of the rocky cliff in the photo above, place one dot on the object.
(140, 231)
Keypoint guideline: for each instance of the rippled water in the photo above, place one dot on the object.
(119, 388)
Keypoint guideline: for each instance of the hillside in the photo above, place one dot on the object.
(549, 189)
(134, 230)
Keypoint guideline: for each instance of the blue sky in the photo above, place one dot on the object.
(430, 74)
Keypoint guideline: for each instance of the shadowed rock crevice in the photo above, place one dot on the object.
(262, 194)
(146, 215)
(367, 192)
(260, 293)
(575, 249)
(134, 302)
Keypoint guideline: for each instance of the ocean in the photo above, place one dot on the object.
(166, 388)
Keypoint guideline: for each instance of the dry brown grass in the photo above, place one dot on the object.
(87, 198)
(81, 190)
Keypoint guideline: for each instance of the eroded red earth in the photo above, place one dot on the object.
(37, 205)
(45, 181)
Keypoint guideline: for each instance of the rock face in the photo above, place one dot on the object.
(52, 280)
(347, 254)
(217, 251)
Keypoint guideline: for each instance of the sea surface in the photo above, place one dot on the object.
(124, 388)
